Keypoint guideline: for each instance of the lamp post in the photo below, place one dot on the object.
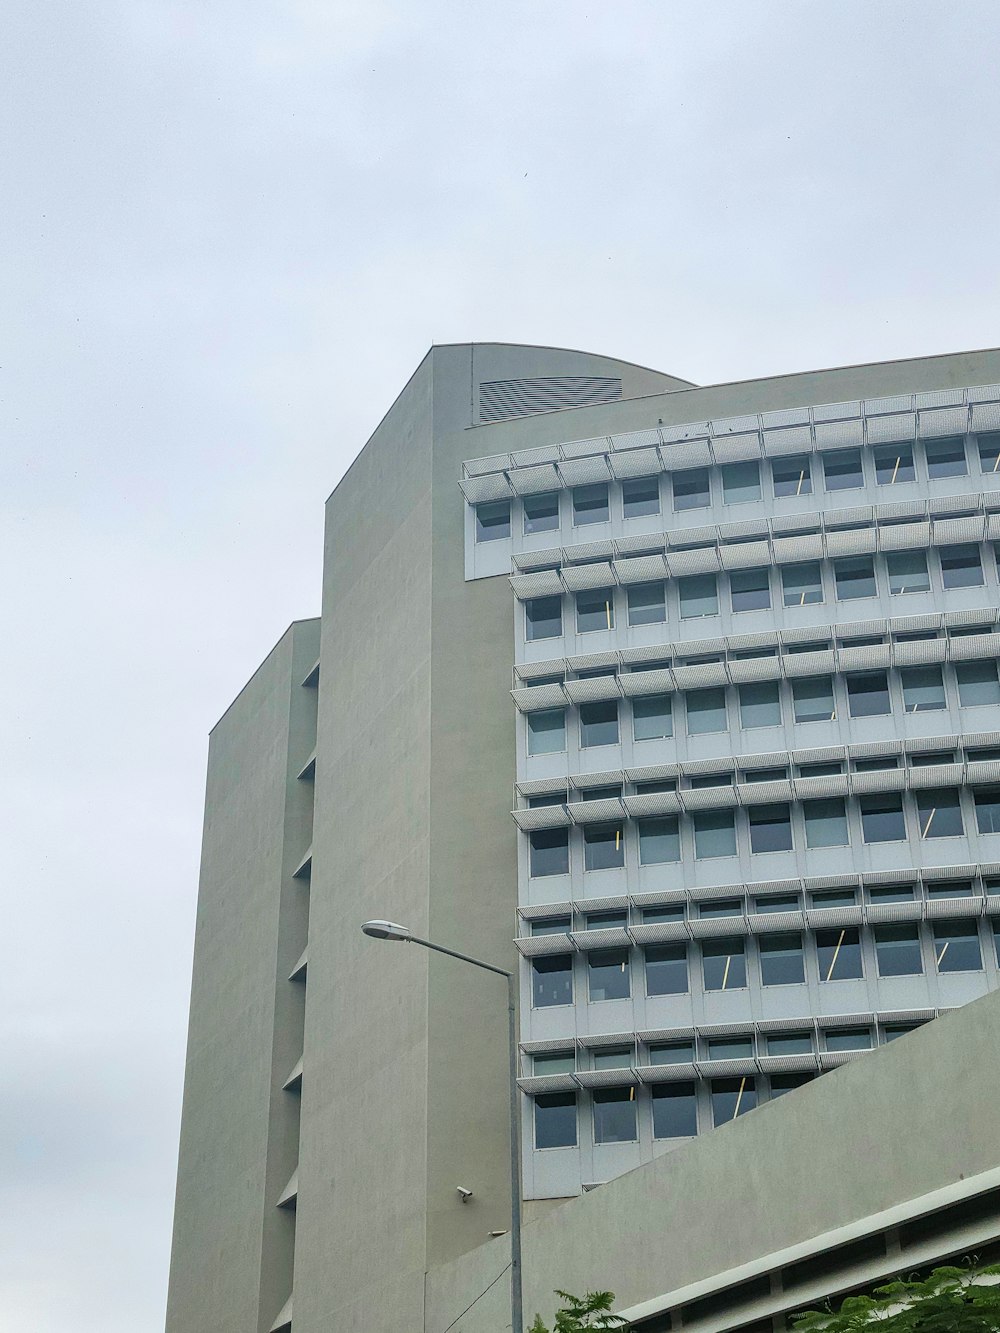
(388, 930)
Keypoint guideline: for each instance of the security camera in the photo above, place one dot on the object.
(464, 1194)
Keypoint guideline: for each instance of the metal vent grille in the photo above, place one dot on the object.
(500, 399)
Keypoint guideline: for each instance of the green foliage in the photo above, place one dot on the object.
(951, 1300)
(577, 1315)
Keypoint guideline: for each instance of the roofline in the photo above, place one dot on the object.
(300, 620)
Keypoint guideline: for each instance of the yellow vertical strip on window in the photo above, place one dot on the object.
(895, 469)
(836, 952)
(618, 839)
(607, 612)
(725, 974)
(944, 950)
(739, 1096)
(802, 478)
(924, 830)
(996, 464)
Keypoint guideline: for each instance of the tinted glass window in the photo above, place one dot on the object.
(558, 1062)
(782, 1083)
(647, 604)
(812, 699)
(730, 1048)
(595, 610)
(714, 833)
(724, 964)
(740, 482)
(939, 813)
(855, 578)
(699, 596)
(666, 970)
(760, 705)
(552, 980)
(838, 954)
(989, 451)
(977, 683)
(849, 1039)
(706, 711)
(617, 1058)
(549, 851)
(671, 1053)
(781, 962)
(893, 463)
(750, 590)
(770, 828)
(547, 731)
(988, 809)
(555, 1120)
(868, 694)
(659, 840)
(541, 512)
(826, 822)
(842, 469)
(651, 717)
(834, 898)
(551, 925)
(614, 1115)
(790, 1043)
(543, 618)
(907, 572)
(897, 949)
(608, 973)
(492, 521)
(691, 489)
(590, 504)
(946, 458)
(791, 476)
(652, 916)
(882, 818)
(956, 946)
(961, 567)
(641, 496)
(923, 689)
(802, 585)
(599, 723)
(603, 846)
(675, 1111)
(732, 1097)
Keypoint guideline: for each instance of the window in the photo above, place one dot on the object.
(868, 694)
(802, 585)
(826, 822)
(750, 590)
(956, 946)
(939, 813)
(691, 489)
(721, 907)
(493, 521)
(923, 689)
(899, 893)
(849, 1039)
(791, 476)
(549, 851)
(897, 949)
(609, 974)
(547, 798)
(614, 1057)
(961, 567)
(671, 1053)
(740, 482)
(556, 1062)
(641, 496)
(989, 451)
(790, 1043)
(659, 841)
(724, 964)
(855, 578)
(894, 1030)
(706, 711)
(782, 1083)
(699, 596)
(770, 828)
(552, 980)
(555, 1120)
(666, 970)
(946, 458)
(599, 723)
(601, 793)
(654, 916)
(765, 774)
(590, 504)
(541, 512)
(977, 683)
(838, 953)
(543, 618)
(714, 833)
(893, 463)
(603, 847)
(834, 898)
(882, 818)
(842, 469)
(951, 888)
(781, 962)
(760, 705)
(647, 604)
(988, 809)
(732, 1097)
(595, 610)
(605, 920)
(879, 765)
(731, 1048)
(777, 902)
(614, 1115)
(907, 572)
(547, 731)
(812, 700)
(702, 780)
(551, 925)
(675, 1111)
(651, 717)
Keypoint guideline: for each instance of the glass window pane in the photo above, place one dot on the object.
(614, 1115)
(826, 822)
(961, 567)
(781, 961)
(770, 828)
(812, 698)
(724, 964)
(608, 971)
(556, 1062)
(493, 521)
(868, 694)
(790, 1043)
(730, 1048)
(541, 512)
(777, 902)
(855, 578)
(842, 469)
(893, 463)
(691, 488)
(901, 893)
(547, 731)
(838, 953)
(675, 1111)
(590, 504)
(988, 809)
(849, 1039)
(699, 596)
(714, 833)
(666, 970)
(946, 458)
(671, 1053)
(989, 451)
(956, 946)
(552, 980)
(659, 840)
(939, 813)
(549, 851)
(641, 496)
(923, 689)
(550, 925)
(834, 898)
(740, 482)
(802, 585)
(543, 618)
(882, 818)
(721, 907)
(732, 1097)
(599, 723)
(907, 572)
(897, 949)
(619, 1057)
(791, 476)
(782, 1083)
(750, 590)
(653, 916)
(595, 610)
(652, 719)
(760, 705)
(706, 711)
(647, 604)
(555, 1120)
(977, 683)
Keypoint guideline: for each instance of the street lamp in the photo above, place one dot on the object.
(389, 930)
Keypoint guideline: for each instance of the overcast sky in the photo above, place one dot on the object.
(228, 233)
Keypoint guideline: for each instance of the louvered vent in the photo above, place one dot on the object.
(500, 399)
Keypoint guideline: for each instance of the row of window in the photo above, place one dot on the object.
(697, 595)
(780, 959)
(831, 821)
(917, 689)
(742, 483)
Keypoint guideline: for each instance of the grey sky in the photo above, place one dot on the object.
(229, 233)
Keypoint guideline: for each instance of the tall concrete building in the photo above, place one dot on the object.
(729, 654)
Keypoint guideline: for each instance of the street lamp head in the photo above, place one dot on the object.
(386, 930)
